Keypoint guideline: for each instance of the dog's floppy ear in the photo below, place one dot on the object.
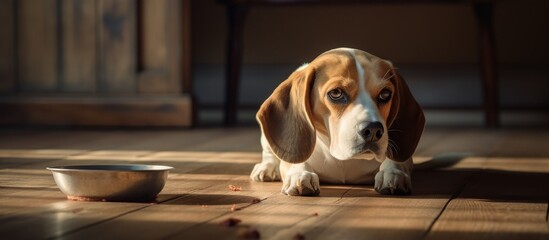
(405, 121)
(285, 118)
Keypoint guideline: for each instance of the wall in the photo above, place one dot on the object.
(434, 45)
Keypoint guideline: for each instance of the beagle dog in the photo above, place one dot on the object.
(331, 118)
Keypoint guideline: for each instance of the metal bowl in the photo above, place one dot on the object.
(110, 182)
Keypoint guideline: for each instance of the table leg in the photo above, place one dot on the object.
(237, 17)
(487, 56)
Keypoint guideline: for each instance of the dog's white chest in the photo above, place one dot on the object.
(332, 170)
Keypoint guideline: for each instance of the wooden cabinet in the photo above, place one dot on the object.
(95, 62)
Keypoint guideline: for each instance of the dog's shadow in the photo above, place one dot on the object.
(439, 178)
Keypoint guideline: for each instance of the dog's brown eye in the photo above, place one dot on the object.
(384, 96)
(337, 96)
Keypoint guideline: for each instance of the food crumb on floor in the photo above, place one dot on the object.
(230, 222)
(299, 236)
(248, 233)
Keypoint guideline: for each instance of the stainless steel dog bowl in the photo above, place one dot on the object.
(110, 182)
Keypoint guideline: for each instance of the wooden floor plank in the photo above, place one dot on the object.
(523, 144)
(192, 173)
(18, 200)
(482, 219)
(25, 178)
(370, 215)
(191, 209)
(507, 196)
(158, 140)
(500, 202)
(41, 139)
(273, 216)
(358, 209)
(477, 142)
(485, 184)
(61, 217)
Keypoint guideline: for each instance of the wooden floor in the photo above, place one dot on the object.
(482, 184)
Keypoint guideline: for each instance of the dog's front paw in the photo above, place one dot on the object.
(301, 184)
(265, 172)
(393, 182)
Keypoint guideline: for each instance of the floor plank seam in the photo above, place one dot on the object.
(454, 196)
(343, 195)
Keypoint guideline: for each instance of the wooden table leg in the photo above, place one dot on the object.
(237, 17)
(487, 55)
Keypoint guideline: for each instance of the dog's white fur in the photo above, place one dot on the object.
(338, 156)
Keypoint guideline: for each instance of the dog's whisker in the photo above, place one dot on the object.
(394, 145)
(384, 75)
(387, 79)
(391, 149)
(396, 118)
(394, 130)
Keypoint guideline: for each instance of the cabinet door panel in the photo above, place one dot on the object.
(79, 46)
(37, 45)
(117, 46)
(7, 46)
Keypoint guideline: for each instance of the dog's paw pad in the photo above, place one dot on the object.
(265, 172)
(301, 184)
(393, 182)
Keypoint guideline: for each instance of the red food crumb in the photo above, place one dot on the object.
(315, 214)
(235, 188)
(248, 233)
(299, 236)
(230, 222)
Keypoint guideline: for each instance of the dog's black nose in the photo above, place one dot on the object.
(373, 131)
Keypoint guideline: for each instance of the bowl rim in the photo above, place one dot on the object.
(110, 168)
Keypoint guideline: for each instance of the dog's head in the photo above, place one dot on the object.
(355, 101)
